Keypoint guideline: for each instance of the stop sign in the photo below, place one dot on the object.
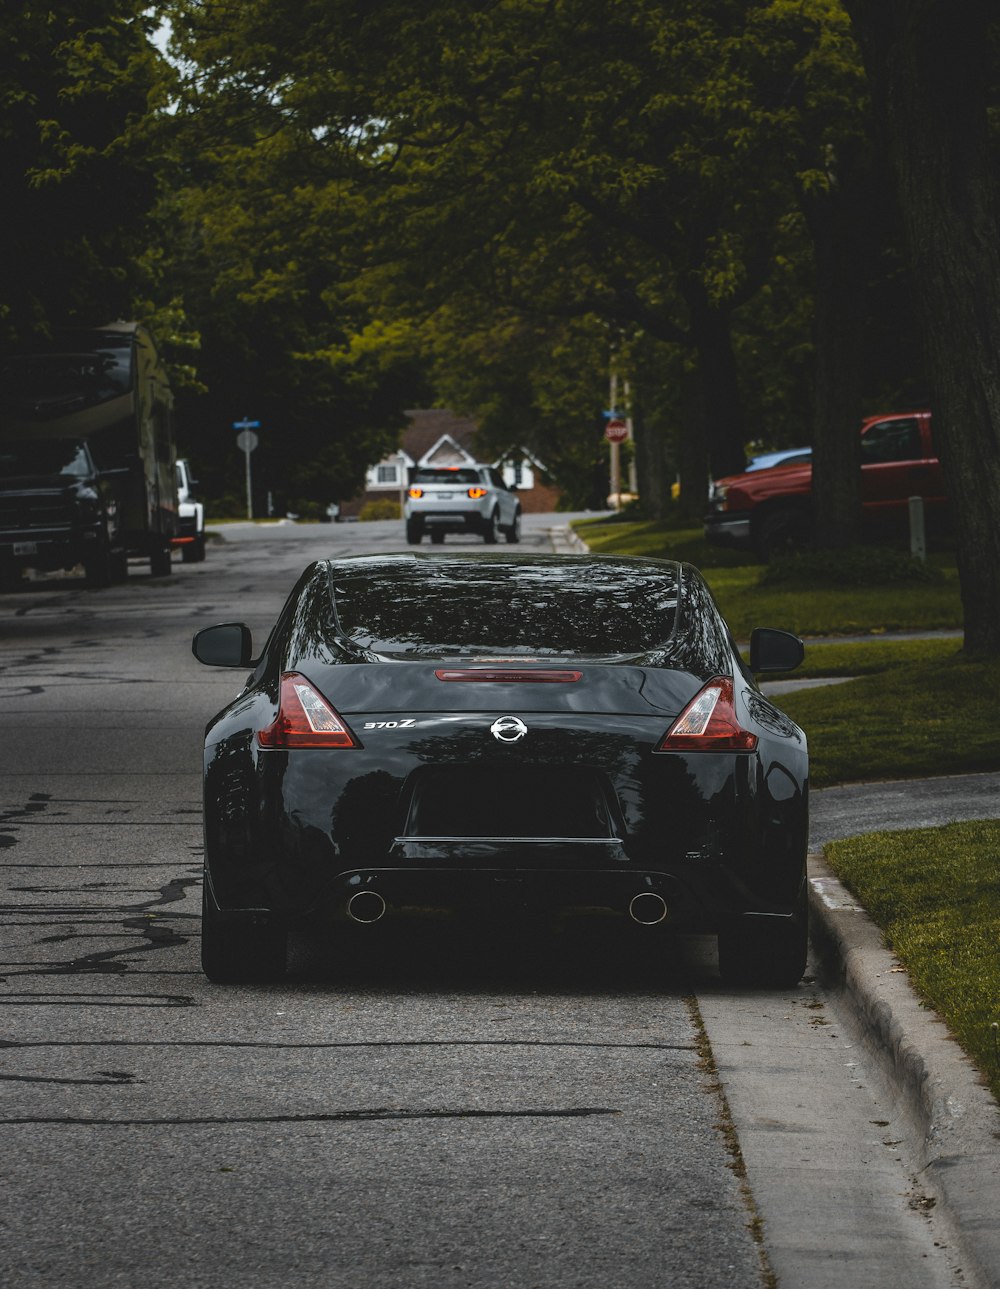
(616, 430)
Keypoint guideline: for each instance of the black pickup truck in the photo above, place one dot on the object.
(87, 473)
(57, 510)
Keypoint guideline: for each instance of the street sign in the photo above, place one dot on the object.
(246, 441)
(616, 430)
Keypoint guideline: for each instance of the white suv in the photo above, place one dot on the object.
(460, 499)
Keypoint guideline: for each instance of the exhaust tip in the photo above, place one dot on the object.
(647, 908)
(366, 907)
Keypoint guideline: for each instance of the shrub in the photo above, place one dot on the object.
(856, 566)
(384, 508)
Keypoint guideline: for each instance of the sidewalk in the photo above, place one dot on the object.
(955, 1121)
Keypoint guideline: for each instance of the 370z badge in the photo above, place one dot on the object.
(508, 729)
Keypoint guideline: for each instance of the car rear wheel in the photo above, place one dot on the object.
(437, 538)
(414, 531)
(766, 951)
(194, 552)
(492, 533)
(514, 531)
(240, 952)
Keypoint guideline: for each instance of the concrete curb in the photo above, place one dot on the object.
(566, 542)
(955, 1120)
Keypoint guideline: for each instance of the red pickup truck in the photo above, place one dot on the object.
(770, 510)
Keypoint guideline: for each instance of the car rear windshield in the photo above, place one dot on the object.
(496, 608)
(446, 476)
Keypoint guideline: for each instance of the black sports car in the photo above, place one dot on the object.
(464, 732)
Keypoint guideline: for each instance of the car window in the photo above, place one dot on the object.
(496, 608)
(897, 440)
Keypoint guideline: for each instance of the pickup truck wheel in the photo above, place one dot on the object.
(119, 564)
(97, 568)
(781, 532)
(194, 552)
(514, 531)
(160, 563)
(414, 531)
(492, 530)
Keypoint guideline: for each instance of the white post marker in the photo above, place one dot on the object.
(246, 440)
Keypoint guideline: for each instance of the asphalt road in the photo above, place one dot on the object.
(416, 1108)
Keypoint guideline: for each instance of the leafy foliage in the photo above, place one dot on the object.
(80, 82)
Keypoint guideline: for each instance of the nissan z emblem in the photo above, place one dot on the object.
(508, 729)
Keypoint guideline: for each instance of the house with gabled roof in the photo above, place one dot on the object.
(437, 436)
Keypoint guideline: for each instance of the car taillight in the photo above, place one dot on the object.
(304, 719)
(476, 493)
(415, 492)
(709, 723)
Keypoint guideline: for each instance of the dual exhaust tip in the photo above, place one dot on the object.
(366, 907)
(647, 908)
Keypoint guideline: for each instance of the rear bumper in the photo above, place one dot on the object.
(448, 521)
(703, 899)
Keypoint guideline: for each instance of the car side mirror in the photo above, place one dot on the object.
(772, 650)
(230, 644)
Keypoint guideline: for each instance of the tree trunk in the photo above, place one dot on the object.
(692, 456)
(840, 279)
(928, 65)
(650, 465)
(724, 431)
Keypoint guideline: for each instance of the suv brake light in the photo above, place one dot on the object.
(709, 723)
(415, 492)
(304, 719)
(476, 493)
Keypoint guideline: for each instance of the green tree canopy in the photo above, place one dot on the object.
(80, 83)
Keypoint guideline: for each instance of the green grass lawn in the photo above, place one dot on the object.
(918, 707)
(911, 720)
(935, 893)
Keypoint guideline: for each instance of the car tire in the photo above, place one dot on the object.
(513, 533)
(492, 532)
(119, 565)
(195, 552)
(414, 531)
(98, 570)
(437, 538)
(160, 564)
(240, 952)
(766, 951)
